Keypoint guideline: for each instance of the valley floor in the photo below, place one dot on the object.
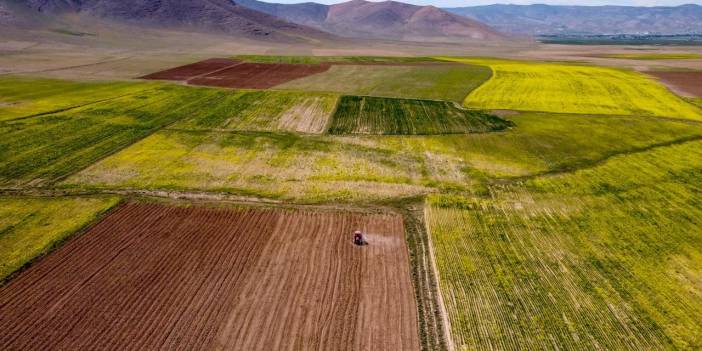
(500, 213)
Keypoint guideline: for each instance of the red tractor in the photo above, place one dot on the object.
(358, 238)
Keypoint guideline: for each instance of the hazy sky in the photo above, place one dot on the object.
(457, 3)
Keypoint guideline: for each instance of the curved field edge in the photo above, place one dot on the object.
(573, 88)
(30, 227)
(604, 257)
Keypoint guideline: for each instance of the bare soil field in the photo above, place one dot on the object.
(192, 70)
(155, 277)
(258, 75)
(684, 83)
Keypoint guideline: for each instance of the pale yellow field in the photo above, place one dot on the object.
(31, 226)
(564, 88)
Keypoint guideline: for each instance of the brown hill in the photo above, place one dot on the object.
(206, 15)
(380, 20)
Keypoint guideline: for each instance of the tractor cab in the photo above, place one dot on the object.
(358, 238)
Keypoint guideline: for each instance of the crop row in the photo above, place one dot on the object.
(265, 111)
(376, 115)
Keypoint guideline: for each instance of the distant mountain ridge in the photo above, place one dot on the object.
(555, 19)
(210, 15)
(380, 20)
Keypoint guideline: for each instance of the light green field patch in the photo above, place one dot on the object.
(41, 149)
(30, 227)
(282, 166)
(265, 111)
(605, 257)
(561, 88)
(437, 82)
(21, 97)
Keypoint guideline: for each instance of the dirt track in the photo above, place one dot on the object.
(192, 70)
(684, 83)
(151, 277)
(258, 75)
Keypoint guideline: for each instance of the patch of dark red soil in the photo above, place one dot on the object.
(684, 83)
(192, 70)
(258, 75)
(154, 277)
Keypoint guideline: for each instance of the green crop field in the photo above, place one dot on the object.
(265, 111)
(376, 115)
(22, 97)
(437, 82)
(366, 168)
(562, 88)
(41, 149)
(30, 227)
(605, 257)
(655, 56)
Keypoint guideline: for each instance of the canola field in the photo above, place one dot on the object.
(30, 227)
(607, 257)
(570, 88)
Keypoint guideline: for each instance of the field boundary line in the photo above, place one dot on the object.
(148, 133)
(99, 216)
(69, 108)
(69, 67)
(450, 346)
(598, 162)
(195, 197)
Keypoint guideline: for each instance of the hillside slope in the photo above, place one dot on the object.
(204, 15)
(380, 20)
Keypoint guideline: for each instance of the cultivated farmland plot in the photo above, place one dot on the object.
(43, 148)
(376, 115)
(153, 277)
(564, 88)
(607, 257)
(265, 111)
(450, 82)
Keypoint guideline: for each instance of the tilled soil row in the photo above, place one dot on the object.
(155, 277)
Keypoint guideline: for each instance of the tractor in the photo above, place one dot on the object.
(358, 238)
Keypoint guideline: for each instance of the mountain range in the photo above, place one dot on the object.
(385, 20)
(549, 19)
(380, 20)
(204, 15)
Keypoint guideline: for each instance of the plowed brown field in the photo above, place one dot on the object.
(258, 75)
(153, 277)
(192, 70)
(684, 83)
